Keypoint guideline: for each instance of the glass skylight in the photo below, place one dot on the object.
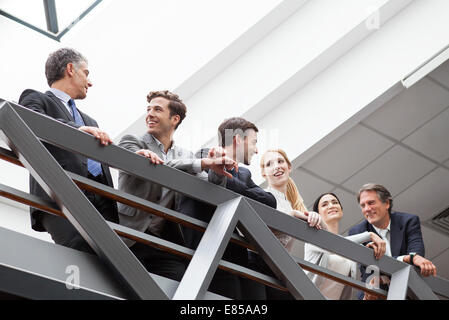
(61, 13)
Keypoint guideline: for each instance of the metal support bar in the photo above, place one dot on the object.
(399, 284)
(68, 138)
(52, 208)
(51, 16)
(204, 263)
(131, 200)
(418, 288)
(438, 285)
(275, 255)
(75, 206)
(64, 273)
(338, 277)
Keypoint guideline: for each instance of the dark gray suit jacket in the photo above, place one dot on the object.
(48, 104)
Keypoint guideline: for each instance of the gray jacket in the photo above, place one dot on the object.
(138, 219)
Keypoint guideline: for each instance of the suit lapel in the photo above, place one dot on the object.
(60, 105)
(151, 144)
(396, 234)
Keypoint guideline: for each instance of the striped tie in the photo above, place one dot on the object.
(94, 167)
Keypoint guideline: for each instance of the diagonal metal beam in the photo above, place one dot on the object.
(418, 287)
(399, 284)
(118, 195)
(77, 208)
(50, 16)
(275, 255)
(204, 263)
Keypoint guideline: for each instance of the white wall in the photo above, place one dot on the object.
(132, 48)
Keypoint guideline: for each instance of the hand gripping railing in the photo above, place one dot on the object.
(22, 130)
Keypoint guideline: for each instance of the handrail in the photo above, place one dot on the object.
(76, 141)
(91, 185)
(38, 203)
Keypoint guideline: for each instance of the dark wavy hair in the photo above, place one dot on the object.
(175, 105)
(231, 127)
(317, 201)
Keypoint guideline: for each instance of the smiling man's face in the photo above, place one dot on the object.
(374, 210)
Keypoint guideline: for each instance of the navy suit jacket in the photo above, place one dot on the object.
(242, 184)
(405, 236)
(48, 104)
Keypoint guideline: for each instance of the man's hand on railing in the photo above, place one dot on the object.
(378, 245)
(219, 165)
(154, 158)
(218, 162)
(98, 134)
(426, 266)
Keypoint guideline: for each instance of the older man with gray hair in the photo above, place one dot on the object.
(401, 231)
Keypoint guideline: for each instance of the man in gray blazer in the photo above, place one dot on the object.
(165, 113)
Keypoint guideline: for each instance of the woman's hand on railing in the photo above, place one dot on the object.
(313, 218)
(154, 158)
(378, 245)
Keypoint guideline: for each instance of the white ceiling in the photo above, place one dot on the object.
(404, 146)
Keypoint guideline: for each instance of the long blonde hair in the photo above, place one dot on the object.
(292, 194)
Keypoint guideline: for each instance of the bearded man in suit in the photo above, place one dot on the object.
(67, 75)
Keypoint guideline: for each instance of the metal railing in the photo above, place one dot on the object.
(23, 130)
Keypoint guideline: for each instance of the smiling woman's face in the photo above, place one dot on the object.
(276, 169)
(329, 208)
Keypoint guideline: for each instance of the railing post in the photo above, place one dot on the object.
(275, 255)
(76, 207)
(399, 284)
(204, 263)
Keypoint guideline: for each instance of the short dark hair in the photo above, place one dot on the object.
(317, 201)
(57, 62)
(231, 127)
(382, 192)
(176, 106)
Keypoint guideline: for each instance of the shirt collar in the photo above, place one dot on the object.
(161, 145)
(276, 192)
(61, 95)
(381, 231)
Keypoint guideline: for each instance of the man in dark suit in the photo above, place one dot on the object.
(401, 231)
(67, 75)
(238, 137)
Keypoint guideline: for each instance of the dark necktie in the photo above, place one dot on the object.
(94, 167)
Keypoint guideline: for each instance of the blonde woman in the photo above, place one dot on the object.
(276, 169)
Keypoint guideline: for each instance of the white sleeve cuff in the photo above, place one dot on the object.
(400, 258)
(196, 166)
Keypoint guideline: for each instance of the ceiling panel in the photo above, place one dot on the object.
(410, 109)
(427, 197)
(432, 138)
(434, 242)
(348, 154)
(309, 186)
(441, 74)
(396, 170)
